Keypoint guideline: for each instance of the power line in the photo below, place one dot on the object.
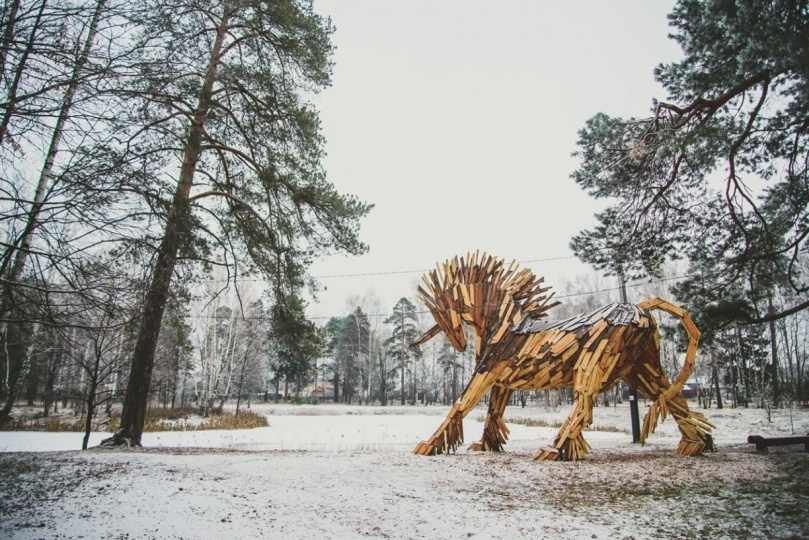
(571, 295)
(424, 271)
(384, 273)
(635, 285)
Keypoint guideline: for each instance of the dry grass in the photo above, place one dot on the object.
(556, 424)
(157, 419)
(244, 420)
(49, 423)
(171, 420)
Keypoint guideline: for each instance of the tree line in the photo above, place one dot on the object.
(236, 348)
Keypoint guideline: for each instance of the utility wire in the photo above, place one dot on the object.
(385, 273)
(424, 271)
(370, 316)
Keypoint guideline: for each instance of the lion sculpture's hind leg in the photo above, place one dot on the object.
(694, 427)
(649, 379)
(495, 432)
(569, 444)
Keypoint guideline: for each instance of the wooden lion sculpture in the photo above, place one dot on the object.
(516, 348)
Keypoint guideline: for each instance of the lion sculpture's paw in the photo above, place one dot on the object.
(426, 449)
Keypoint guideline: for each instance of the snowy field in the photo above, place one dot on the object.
(337, 472)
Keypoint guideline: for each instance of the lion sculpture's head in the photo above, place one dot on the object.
(482, 292)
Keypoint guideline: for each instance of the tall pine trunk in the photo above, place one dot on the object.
(136, 399)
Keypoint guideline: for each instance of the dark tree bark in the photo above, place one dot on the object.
(715, 379)
(136, 399)
(259, 193)
(19, 71)
(92, 388)
(8, 35)
(776, 390)
(383, 381)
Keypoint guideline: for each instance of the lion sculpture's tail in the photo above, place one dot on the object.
(694, 426)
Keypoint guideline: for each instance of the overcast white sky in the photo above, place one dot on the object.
(458, 120)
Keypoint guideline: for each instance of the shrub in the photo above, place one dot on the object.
(157, 419)
(299, 400)
(51, 424)
(177, 413)
(226, 420)
(191, 421)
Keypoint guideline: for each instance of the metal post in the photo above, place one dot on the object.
(634, 414)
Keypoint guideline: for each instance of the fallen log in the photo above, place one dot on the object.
(762, 443)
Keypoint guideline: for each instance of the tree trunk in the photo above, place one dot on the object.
(8, 35)
(776, 391)
(50, 381)
(88, 419)
(715, 376)
(241, 384)
(11, 100)
(18, 363)
(412, 399)
(743, 366)
(383, 383)
(47, 169)
(133, 415)
(175, 374)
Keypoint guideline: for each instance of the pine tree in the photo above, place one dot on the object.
(736, 113)
(404, 321)
(219, 120)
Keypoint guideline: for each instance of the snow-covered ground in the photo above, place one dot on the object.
(347, 472)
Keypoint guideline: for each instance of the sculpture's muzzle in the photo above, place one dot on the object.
(456, 336)
(427, 336)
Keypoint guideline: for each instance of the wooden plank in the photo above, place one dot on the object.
(583, 360)
(616, 337)
(500, 332)
(562, 344)
(569, 352)
(600, 348)
(455, 318)
(690, 328)
(464, 289)
(650, 303)
(595, 332)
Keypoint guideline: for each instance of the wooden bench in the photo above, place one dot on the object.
(763, 442)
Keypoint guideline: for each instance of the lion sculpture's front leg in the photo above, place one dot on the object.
(495, 431)
(449, 435)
